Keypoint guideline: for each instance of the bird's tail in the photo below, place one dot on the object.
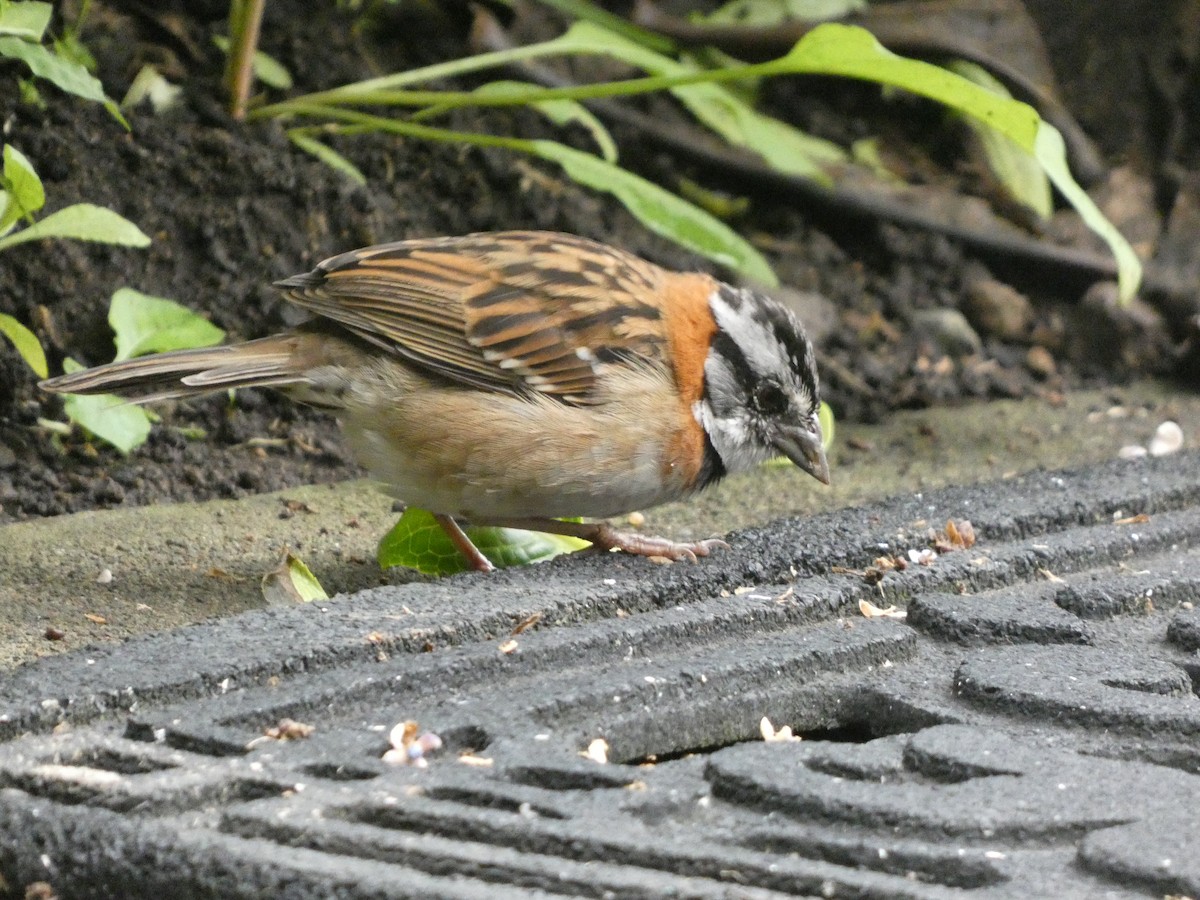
(268, 362)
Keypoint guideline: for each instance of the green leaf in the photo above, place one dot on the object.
(1020, 173)
(833, 49)
(149, 84)
(24, 189)
(828, 427)
(69, 46)
(112, 419)
(850, 52)
(866, 152)
(661, 211)
(26, 343)
(292, 582)
(267, 69)
(81, 222)
(145, 324)
(418, 542)
(1052, 153)
(64, 74)
(28, 92)
(327, 155)
(560, 112)
(827, 423)
(25, 20)
(271, 71)
(784, 147)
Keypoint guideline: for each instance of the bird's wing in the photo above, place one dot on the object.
(512, 311)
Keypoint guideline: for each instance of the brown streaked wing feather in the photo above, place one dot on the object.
(403, 304)
(506, 311)
(560, 304)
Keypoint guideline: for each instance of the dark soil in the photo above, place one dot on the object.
(232, 207)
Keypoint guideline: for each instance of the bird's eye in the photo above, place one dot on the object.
(770, 399)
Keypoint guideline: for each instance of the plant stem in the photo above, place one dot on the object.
(350, 93)
(387, 90)
(455, 99)
(245, 24)
(355, 122)
(74, 29)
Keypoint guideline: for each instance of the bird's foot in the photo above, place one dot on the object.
(608, 538)
(605, 537)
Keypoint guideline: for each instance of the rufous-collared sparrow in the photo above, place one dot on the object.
(516, 377)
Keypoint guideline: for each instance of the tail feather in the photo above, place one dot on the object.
(268, 362)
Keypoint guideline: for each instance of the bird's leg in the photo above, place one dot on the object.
(475, 559)
(604, 536)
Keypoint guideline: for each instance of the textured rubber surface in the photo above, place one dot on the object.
(1032, 729)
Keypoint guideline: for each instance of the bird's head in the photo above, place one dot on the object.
(761, 391)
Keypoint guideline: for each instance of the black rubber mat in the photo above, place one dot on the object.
(1032, 729)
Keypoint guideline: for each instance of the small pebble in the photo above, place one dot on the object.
(1168, 438)
(947, 329)
(999, 309)
(105, 577)
(1039, 361)
(408, 748)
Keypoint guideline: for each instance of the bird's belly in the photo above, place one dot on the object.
(489, 456)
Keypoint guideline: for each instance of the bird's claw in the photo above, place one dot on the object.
(610, 539)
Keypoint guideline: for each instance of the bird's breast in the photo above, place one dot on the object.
(485, 454)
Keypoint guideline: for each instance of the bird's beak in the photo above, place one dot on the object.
(805, 447)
